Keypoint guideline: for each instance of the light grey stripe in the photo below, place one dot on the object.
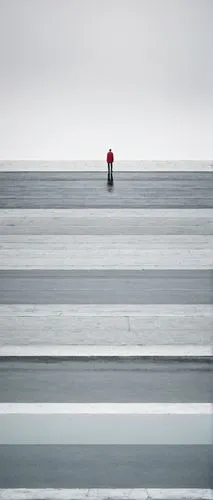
(106, 226)
(103, 429)
(105, 325)
(105, 494)
(113, 310)
(122, 351)
(126, 165)
(106, 408)
(106, 252)
(110, 214)
(147, 222)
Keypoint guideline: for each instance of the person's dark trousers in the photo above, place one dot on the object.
(110, 170)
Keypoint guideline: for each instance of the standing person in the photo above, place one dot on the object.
(110, 160)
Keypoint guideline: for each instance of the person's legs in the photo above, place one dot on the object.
(108, 170)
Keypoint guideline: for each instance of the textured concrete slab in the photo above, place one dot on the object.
(106, 252)
(81, 221)
(31, 190)
(106, 287)
(84, 165)
(22, 325)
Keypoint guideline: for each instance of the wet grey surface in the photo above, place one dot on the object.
(105, 466)
(90, 190)
(106, 381)
(106, 287)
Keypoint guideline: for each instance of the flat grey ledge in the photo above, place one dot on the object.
(95, 351)
(106, 286)
(106, 494)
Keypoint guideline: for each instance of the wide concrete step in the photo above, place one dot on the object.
(106, 252)
(106, 222)
(95, 324)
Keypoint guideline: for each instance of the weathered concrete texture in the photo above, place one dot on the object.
(20, 329)
(89, 190)
(106, 252)
(105, 494)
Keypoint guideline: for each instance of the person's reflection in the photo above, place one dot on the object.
(110, 186)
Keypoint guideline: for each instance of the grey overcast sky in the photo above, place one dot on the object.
(80, 76)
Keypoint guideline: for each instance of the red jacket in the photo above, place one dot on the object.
(110, 157)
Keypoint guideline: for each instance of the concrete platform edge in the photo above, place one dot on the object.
(188, 352)
(106, 494)
(100, 165)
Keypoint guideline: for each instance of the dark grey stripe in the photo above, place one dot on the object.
(105, 381)
(105, 466)
(89, 190)
(106, 287)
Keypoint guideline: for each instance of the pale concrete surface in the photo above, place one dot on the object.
(105, 466)
(108, 381)
(165, 352)
(105, 429)
(103, 409)
(112, 310)
(109, 215)
(54, 190)
(106, 252)
(107, 324)
(105, 494)
(83, 165)
(18, 326)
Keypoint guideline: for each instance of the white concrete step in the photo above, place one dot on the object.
(106, 423)
(106, 252)
(110, 221)
(184, 351)
(95, 324)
